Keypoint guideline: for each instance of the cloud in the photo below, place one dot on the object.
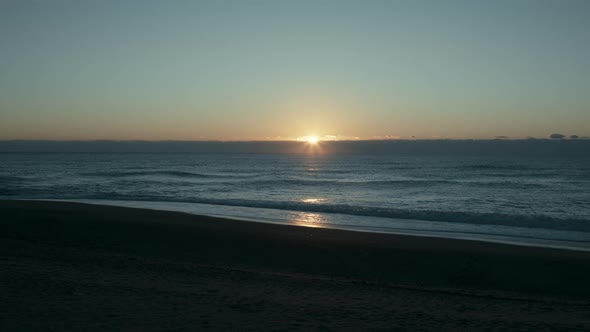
(386, 137)
(574, 136)
(556, 136)
(330, 138)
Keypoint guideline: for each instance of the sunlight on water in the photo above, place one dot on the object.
(314, 200)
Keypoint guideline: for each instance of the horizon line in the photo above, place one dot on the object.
(296, 140)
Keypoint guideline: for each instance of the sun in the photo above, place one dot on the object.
(313, 140)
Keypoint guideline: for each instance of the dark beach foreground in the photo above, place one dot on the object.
(69, 266)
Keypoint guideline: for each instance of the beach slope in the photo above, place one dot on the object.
(70, 266)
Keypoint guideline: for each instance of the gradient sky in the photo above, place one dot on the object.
(243, 70)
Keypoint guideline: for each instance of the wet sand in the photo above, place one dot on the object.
(70, 266)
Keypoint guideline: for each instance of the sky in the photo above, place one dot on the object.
(281, 70)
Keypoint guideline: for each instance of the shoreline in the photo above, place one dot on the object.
(276, 218)
(89, 263)
(125, 217)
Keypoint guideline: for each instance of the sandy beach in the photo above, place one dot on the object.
(69, 266)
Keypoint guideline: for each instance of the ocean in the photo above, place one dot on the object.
(525, 200)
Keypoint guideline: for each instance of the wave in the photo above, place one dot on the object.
(498, 167)
(166, 173)
(11, 179)
(267, 179)
(520, 220)
(327, 171)
(178, 178)
(311, 182)
(503, 184)
(270, 179)
(525, 175)
(391, 183)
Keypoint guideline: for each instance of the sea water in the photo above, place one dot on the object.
(525, 200)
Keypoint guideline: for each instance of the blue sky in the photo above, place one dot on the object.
(241, 70)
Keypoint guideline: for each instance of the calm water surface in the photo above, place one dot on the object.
(541, 198)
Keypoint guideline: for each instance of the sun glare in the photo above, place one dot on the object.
(312, 140)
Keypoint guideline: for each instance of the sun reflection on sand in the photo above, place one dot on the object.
(308, 219)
